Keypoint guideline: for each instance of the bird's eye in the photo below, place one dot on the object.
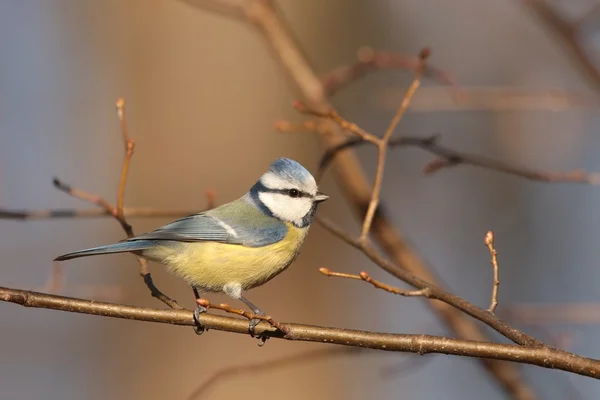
(293, 192)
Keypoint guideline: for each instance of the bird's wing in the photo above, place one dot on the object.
(193, 228)
(235, 223)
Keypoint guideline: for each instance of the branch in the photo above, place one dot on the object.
(66, 213)
(569, 35)
(489, 242)
(490, 98)
(243, 313)
(383, 144)
(369, 60)
(553, 313)
(433, 291)
(365, 277)
(420, 344)
(449, 158)
(264, 366)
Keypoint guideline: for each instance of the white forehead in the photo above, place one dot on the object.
(272, 180)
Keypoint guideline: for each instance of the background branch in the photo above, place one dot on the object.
(449, 158)
(567, 33)
(66, 213)
(269, 365)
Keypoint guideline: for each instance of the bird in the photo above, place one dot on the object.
(237, 246)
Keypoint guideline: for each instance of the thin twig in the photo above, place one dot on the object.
(129, 148)
(364, 276)
(243, 313)
(333, 115)
(489, 242)
(85, 196)
(383, 144)
(450, 158)
(546, 357)
(369, 60)
(489, 98)
(265, 366)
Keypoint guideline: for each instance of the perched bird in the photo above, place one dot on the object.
(239, 245)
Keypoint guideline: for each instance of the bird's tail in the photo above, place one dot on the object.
(121, 247)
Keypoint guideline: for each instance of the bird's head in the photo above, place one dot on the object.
(287, 191)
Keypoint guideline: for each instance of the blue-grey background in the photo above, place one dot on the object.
(202, 94)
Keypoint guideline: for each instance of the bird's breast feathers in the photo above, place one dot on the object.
(212, 265)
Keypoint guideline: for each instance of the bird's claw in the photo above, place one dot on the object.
(199, 328)
(252, 325)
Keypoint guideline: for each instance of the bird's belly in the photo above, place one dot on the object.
(210, 265)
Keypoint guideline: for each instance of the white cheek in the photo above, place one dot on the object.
(286, 208)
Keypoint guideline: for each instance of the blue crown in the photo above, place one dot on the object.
(290, 170)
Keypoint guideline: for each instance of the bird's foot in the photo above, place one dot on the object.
(199, 328)
(254, 322)
(252, 325)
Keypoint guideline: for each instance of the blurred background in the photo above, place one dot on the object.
(203, 92)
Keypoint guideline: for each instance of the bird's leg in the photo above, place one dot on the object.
(256, 311)
(234, 290)
(199, 328)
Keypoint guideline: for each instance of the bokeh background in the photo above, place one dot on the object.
(203, 92)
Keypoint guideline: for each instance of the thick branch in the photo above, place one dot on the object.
(421, 344)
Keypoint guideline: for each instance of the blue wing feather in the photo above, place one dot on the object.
(197, 227)
(238, 222)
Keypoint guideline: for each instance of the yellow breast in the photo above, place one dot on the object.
(210, 266)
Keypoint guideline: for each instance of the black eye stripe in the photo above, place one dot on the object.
(286, 192)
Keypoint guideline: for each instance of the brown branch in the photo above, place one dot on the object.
(553, 313)
(242, 313)
(369, 60)
(420, 344)
(568, 33)
(489, 98)
(489, 242)
(433, 291)
(383, 144)
(129, 148)
(450, 158)
(333, 115)
(265, 366)
(363, 276)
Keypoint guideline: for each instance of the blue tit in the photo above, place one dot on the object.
(239, 245)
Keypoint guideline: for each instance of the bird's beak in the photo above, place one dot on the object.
(320, 197)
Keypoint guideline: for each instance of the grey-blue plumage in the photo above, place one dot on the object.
(122, 247)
